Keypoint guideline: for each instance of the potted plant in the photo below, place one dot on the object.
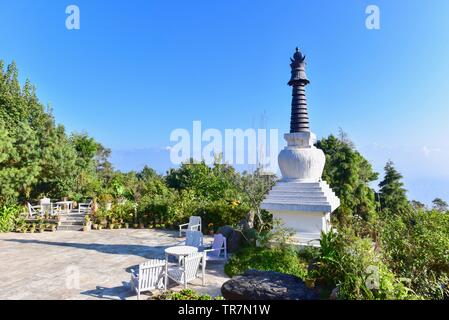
(106, 201)
(111, 226)
(126, 225)
(58, 219)
(41, 228)
(32, 228)
(87, 223)
(95, 226)
(53, 228)
(100, 227)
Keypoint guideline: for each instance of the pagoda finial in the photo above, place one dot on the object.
(298, 57)
(299, 117)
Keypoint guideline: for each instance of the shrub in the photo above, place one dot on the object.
(221, 213)
(284, 260)
(186, 294)
(354, 266)
(9, 218)
(416, 246)
(124, 212)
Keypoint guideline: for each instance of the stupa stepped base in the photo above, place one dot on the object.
(301, 196)
(304, 207)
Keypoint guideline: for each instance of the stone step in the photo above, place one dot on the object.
(70, 228)
(71, 219)
(72, 223)
(74, 215)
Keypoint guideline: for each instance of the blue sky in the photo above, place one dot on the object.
(136, 70)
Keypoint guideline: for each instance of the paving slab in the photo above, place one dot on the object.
(67, 265)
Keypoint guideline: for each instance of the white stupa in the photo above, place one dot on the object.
(301, 199)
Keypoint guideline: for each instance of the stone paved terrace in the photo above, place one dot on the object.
(36, 266)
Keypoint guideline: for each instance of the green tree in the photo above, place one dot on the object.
(392, 193)
(349, 174)
(255, 186)
(58, 166)
(440, 205)
(37, 156)
(104, 169)
(417, 205)
(217, 182)
(18, 163)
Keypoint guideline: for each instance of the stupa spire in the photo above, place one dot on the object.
(299, 121)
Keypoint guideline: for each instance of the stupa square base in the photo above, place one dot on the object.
(304, 207)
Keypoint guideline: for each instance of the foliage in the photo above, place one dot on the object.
(221, 213)
(37, 157)
(214, 183)
(349, 175)
(392, 193)
(284, 259)
(440, 205)
(185, 294)
(256, 186)
(9, 218)
(278, 235)
(416, 246)
(354, 266)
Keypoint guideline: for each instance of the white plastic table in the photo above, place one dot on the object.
(180, 251)
(66, 204)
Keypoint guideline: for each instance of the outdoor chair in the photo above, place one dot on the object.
(194, 239)
(149, 277)
(85, 207)
(193, 225)
(46, 206)
(34, 210)
(217, 251)
(186, 272)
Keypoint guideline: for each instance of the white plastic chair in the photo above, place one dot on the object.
(193, 225)
(216, 249)
(85, 207)
(194, 239)
(149, 277)
(46, 206)
(186, 272)
(34, 210)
